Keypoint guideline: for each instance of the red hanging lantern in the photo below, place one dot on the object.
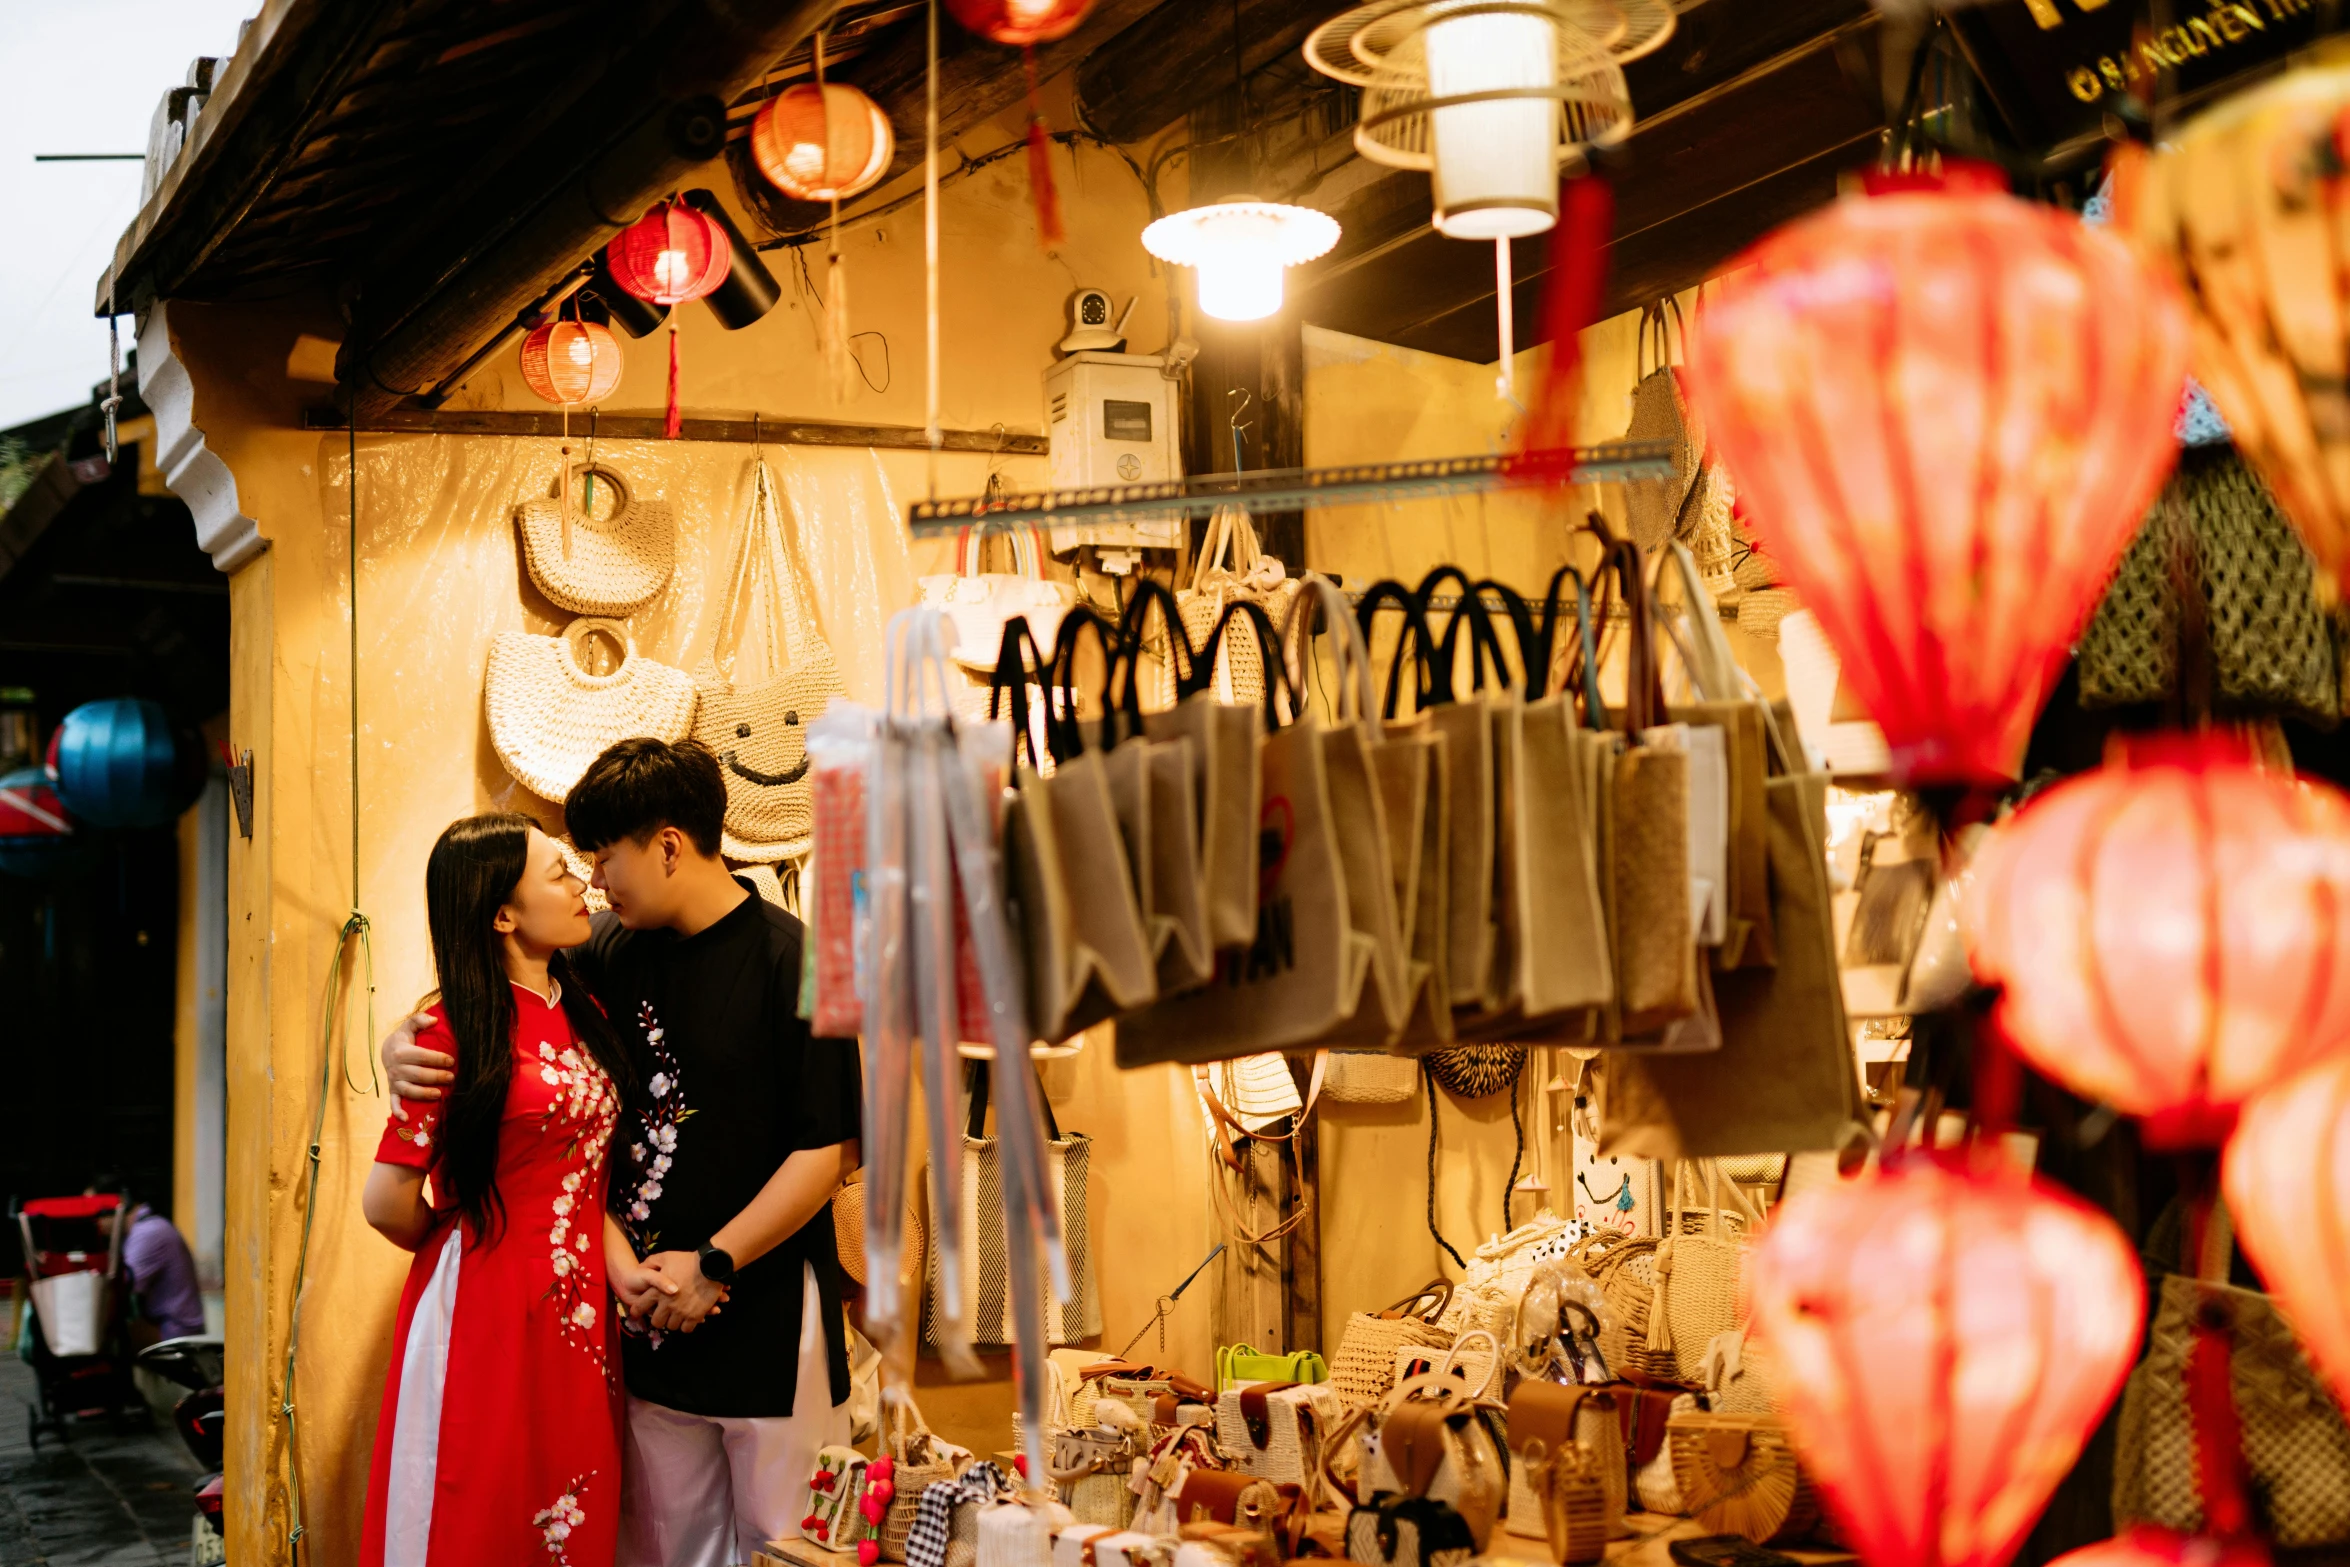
(670, 255)
(2161, 1548)
(822, 143)
(1945, 1339)
(1025, 24)
(2170, 931)
(1946, 410)
(2287, 1180)
(571, 362)
(1020, 23)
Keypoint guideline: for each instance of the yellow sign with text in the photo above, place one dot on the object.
(2226, 25)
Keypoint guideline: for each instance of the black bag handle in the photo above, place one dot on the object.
(1470, 611)
(1133, 627)
(975, 1084)
(1423, 644)
(1064, 734)
(1584, 668)
(1269, 653)
(1008, 686)
(1533, 638)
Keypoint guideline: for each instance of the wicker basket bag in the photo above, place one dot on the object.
(758, 727)
(550, 717)
(1363, 1370)
(612, 566)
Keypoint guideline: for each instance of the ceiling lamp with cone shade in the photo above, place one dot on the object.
(1240, 249)
(1490, 97)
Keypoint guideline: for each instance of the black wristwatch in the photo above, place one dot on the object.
(717, 1266)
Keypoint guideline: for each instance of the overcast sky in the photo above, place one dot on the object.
(82, 77)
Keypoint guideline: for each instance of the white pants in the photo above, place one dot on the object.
(709, 1491)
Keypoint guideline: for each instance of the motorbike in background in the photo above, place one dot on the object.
(195, 1364)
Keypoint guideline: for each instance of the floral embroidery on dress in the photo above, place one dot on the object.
(557, 1519)
(584, 1101)
(652, 1152)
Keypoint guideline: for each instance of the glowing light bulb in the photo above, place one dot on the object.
(672, 271)
(1241, 248)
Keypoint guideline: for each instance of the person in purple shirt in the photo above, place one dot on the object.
(162, 1273)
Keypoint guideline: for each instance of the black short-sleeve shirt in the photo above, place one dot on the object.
(729, 1085)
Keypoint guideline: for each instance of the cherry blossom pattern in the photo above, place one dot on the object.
(558, 1518)
(585, 1103)
(654, 1149)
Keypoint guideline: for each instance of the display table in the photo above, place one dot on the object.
(1650, 1546)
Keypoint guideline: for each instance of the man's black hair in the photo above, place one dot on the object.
(637, 787)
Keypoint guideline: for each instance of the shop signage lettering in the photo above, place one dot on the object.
(2227, 24)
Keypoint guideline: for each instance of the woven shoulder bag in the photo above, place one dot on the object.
(758, 727)
(1363, 1370)
(550, 717)
(612, 566)
(1624, 1268)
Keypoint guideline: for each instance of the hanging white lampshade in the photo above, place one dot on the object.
(1241, 248)
(1490, 96)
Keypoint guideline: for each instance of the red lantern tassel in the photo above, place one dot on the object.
(1578, 280)
(1049, 232)
(672, 425)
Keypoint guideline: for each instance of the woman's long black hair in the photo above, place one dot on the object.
(473, 871)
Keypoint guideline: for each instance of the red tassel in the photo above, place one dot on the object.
(671, 427)
(1570, 302)
(1049, 232)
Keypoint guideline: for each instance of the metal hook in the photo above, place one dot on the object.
(1247, 398)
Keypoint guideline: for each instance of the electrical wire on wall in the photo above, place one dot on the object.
(356, 925)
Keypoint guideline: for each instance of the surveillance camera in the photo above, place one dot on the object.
(1091, 326)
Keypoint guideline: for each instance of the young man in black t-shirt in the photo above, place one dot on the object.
(740, 1128)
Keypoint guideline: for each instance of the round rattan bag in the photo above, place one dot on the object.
(610, 565)
(551, 715)
(1738, 1475)
(1476, 1071)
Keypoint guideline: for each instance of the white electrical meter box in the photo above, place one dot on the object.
(1110, 420)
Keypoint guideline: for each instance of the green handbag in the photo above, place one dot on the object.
(1237, 1363)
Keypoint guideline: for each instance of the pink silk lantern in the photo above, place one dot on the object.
(2161, 1548)
(1945, 1340)
(1946, 411)
(2287, 1180)
(2171, 932)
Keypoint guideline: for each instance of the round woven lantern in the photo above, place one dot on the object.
(1947, 410)
(1020, 22)
(571, 362)
(670, 255)
(2287, 1180)
(2170, 932)
(822, 143)
(1944, 1341)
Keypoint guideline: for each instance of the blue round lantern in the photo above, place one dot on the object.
(37, 836)
(118, 764)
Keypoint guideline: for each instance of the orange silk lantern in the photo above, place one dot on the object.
(2245, 198)
(823, 143)
(1947, 410)
(2172, 932)
(2287, 1180)
(571, 362)
(2161, 1548)
(1945, 1340)
(670, 255)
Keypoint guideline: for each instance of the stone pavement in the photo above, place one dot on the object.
(102, 1498)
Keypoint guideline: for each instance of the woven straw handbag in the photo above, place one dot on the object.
(550, 717)
(1370, 1077)
(1363, 1370)
(1232, 565)
(1274, 1430)
(1549, 1423)
(2294, 1444)
(614, 565)
(918, 1461)
(1738, 1475)
(758, 726)
(1624, 1268)
(1698, 1267)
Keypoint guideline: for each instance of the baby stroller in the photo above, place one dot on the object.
(73, 1257)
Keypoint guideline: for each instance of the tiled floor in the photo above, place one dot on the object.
(102, 1498)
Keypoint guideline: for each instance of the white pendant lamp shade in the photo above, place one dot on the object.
(1241, 249)
(1489, 96)
(1495, 159)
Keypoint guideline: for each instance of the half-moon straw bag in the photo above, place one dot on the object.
(612, 566)
(550, 717)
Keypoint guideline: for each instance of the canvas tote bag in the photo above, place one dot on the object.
(1089, 955)
(1725, 701)
(1303, 974)
(757, 725)
(614, 566)
(986, 1266)
(1223, 749)
(1784, 1079)
(1371, 781)
(550, 715)
(1418, 792)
